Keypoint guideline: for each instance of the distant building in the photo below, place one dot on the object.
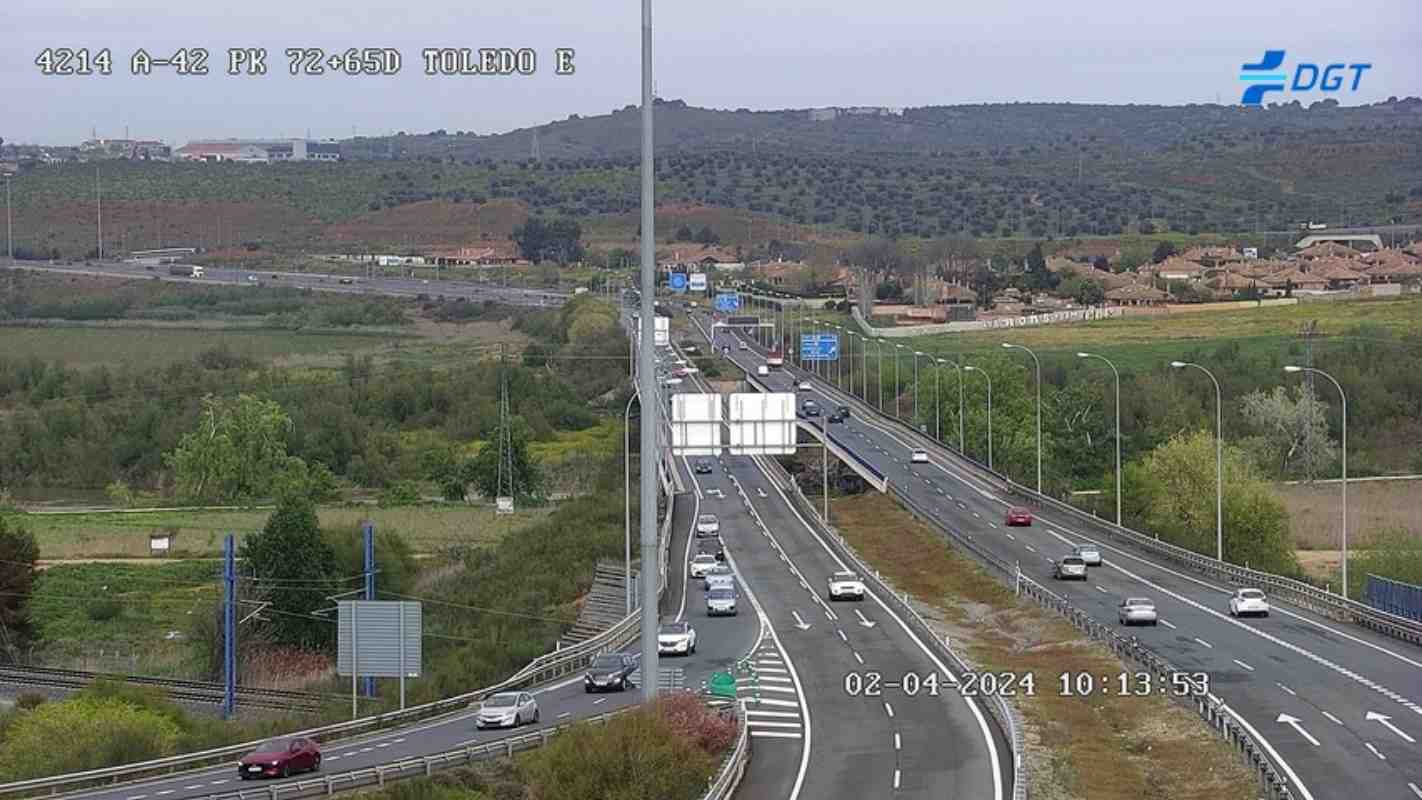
(131, 149)
(259, 150)
(1137, 295)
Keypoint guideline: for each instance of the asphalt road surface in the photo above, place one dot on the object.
(1309, 689)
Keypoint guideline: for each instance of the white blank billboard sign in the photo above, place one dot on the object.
(661, 330)
(696, 424)
(375, 629)
(762, 424)
(698, 281)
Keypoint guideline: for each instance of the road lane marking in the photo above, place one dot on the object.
(1242, 664)
(1168, 624)
(1099, 589)
(328, 758)
(1330, 716)
(898, 743)
(165, 791)
(842, 637)
(753, 712)
(137, 796)
(771, 702)
(858, 657)
(1205, 643)
(1287, 689)
(218, 783)
(1293, 722)
(775, 734)
(191, 787)
(1013, 538)
(600, 700)
(1415, 789)
(383, 744)
(401, 740)
(896, 779)
(760, 724)
(772, 669)
(1380, 756)
(1031, 549)
(888, 709)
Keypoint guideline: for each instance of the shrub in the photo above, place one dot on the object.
(401, 493)
(30, 700)
(83, 733)
(103, 610)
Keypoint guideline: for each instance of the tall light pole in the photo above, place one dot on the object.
(916, 354)
(1344, 418)
(99, 211)
(985, 374)
(9, 224)
(651, 412)
(1219, 457)
(897, 415)
(627, 499)
(1011, 346)
(879, 356)
(1118, 429)
(839, 360)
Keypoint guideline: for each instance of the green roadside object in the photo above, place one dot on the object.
(723, 684)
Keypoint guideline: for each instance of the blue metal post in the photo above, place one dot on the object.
(368, 530)
(229, 625)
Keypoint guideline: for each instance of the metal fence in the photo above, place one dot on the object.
(547, 667)
(1393, 597)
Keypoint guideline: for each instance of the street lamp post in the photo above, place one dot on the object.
(1344, 419)
(1219, 457)
(627, 499)
(985, 374)
(916, 354)
(1118, 429)
(959, 368)
(1011, 346)
(879, 356)
(9, 224)
(897, 415)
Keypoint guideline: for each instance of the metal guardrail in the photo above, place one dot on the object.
(1294, 591)
(734, 767)
(541, 670)
(176, 688)
(1008, 719)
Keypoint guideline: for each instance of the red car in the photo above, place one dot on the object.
(1017, 515)
(280, 758)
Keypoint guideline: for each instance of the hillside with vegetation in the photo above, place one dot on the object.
(982, 171)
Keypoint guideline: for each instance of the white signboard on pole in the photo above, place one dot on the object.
(379, 639)
(762, 424)
(698, 281)
(696, 424)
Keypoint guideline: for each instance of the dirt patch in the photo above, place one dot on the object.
(1315, 510)
(1103, 748)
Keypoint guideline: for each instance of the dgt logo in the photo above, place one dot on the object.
(1267, 77)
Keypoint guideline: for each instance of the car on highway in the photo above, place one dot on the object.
(720, 575)
(280, 758)
(721, 601)
(702, 563)
(252, 279)
(707, 525)
(1137, 611)
(507, 710)
(811, 408)
(702, 466)
(346, 281)
(1017, 515)
(918, 456)
(802, 386)
(609, 671)
(838, 415)
(845, 586)
(762, 370)
(741, 345)
(1068, 568)
(1089, 553)
(676, 638)
(671, 381)
(1247, 602)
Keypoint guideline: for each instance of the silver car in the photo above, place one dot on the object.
(719, 578)
(1068, 568)
(707, 525)
(1137, 611)
(507, 710)
(1089, 553)
(721, 601)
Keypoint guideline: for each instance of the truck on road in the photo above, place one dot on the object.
(186, 271)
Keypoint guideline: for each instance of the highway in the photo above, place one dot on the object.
(1310, 690)
(811, 738)
(721, 642)
(392, 287)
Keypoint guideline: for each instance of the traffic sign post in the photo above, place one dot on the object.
(677, 281)
(726, 303)
(819, 347)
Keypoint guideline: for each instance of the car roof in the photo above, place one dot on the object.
(1139, 601)
(1086, 546)
(844, 574)
(1072, 558)
(703, 557)
(705, 517)
(675, 626)
(1251, 592)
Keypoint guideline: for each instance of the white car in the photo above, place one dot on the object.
(803, 386)
(845, 586)
(702, 564)
(676, 638)
(1245, 602)
(1135, 610)
(671, 381)
(707, 525)
(507, 710)
(720, 577)
(741, 345)
(762, 370)
(1089, 553)
(721, 601)
(918, 456)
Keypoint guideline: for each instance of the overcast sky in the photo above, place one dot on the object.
(722, 54)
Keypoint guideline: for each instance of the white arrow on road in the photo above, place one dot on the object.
(1294, 722)
(800, 623)
(1386, 721)
(865, 622)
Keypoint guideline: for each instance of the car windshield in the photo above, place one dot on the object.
(704, 558)
(1252, 594)
(844, 576)
(1139, 601)
(720, 594)
(1086, 548)
(607, 662)
(674, 628)
(274, 746)
(505, 700)
(708, 518)
(1072, 562)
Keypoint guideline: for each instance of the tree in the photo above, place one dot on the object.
(1292, 438)
(683, 234)
(1084, 291)
(441, 465)
(1164, 250)
(238, 451)
(18, 553)
(527, 478)
(294, 565)
(559, 240)
(1171, 493)
(1036, 261)
(1392, 553)
(707, 236)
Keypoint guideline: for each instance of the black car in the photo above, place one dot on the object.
(703, 466)
(609, 672)
(837, 416)
(811, 408)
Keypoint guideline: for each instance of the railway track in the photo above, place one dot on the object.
(206, 692)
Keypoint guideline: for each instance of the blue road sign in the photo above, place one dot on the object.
(728, 302)
(819, 346)
(677, 281)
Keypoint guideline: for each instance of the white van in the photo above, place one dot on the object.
(762, 370)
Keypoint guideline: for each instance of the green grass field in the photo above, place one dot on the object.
(151, 346)
(1141, 343)
(199, 533)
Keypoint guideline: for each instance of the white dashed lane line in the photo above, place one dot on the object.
(1380, 756)
(1287, 689)
(888, 709)
(1242, 664)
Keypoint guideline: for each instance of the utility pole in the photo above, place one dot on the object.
(651, 407)
(9, 224)
(229, 628)
(367, 531)
(99, 206)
